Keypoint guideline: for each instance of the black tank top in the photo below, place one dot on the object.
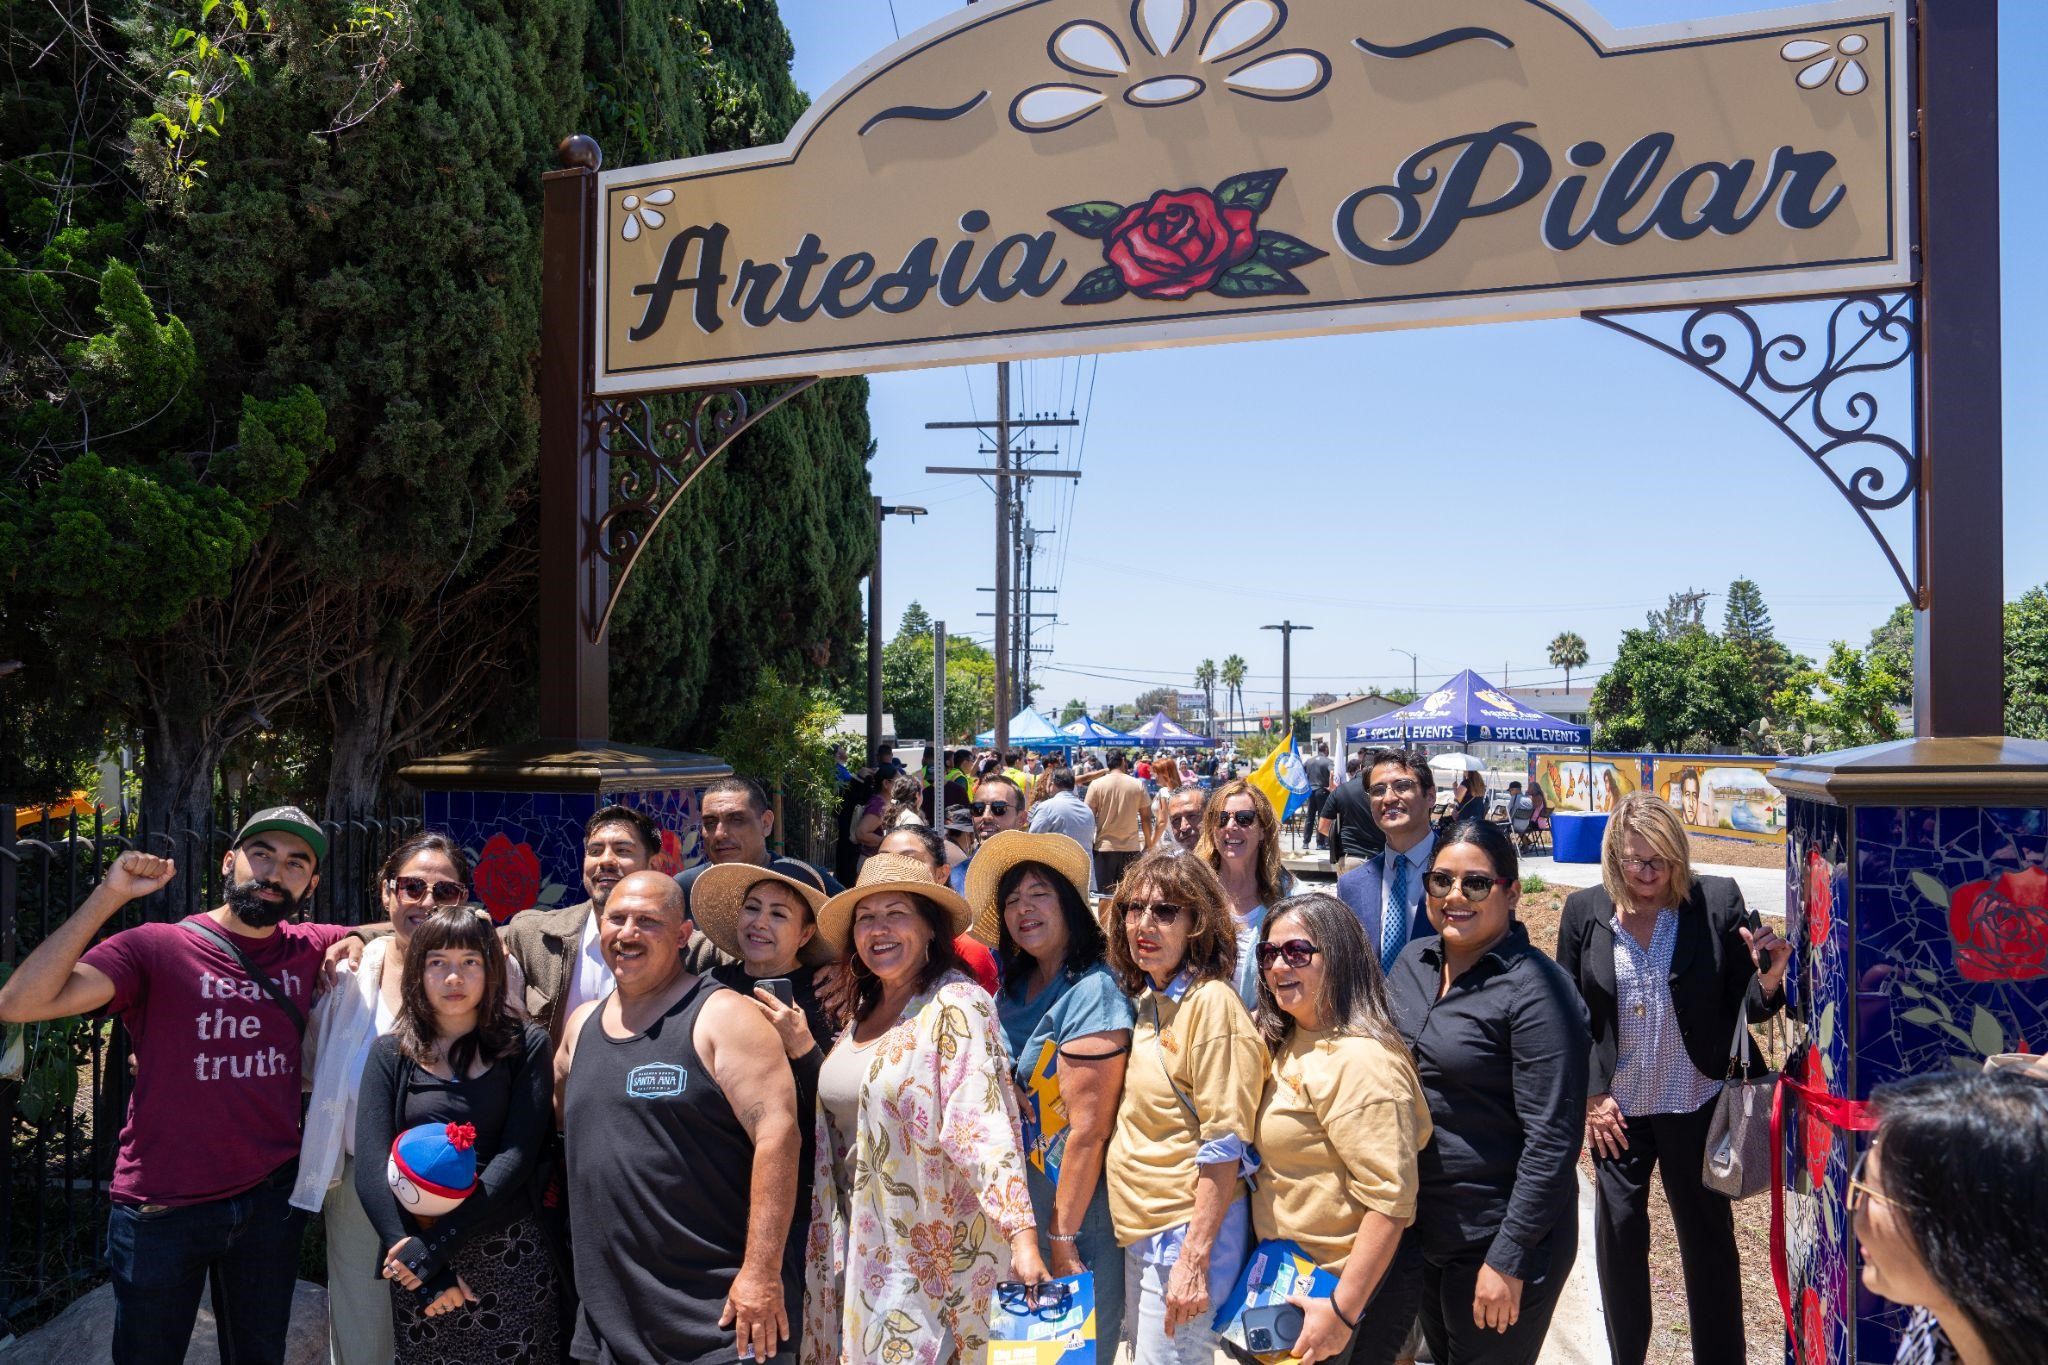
(659, 1169)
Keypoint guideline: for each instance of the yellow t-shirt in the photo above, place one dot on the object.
(1339, 1125)
(1204, 1044)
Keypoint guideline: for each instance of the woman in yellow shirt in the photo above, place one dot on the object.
(1339, 1126)
(1181, 1150)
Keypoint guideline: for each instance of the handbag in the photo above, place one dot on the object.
(1738, 1158)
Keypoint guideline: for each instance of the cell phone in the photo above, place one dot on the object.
(1756, 929)
(779, 987)
(1275, 1327)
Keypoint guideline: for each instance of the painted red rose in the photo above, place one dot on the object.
(1820, 1134)
(1813, 1329)
(1820, 898)
(1178, 242)
(669, 858)
(507, 877)
(2000, 927)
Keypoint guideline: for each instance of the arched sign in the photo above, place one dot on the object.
(1045, 177)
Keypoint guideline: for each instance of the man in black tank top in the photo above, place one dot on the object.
(680, 1119)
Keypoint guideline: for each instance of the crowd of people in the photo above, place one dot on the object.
(761, 1111)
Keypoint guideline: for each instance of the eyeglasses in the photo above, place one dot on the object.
(1164, 912)
(1047, 1302)
(1407, 786)
(1244, 819)
(988, 807)
(418, 889)
(1860, 1192)
(1656, 867)
(1477, 886)
(1298, 952)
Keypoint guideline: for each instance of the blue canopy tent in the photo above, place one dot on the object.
(1091, 732)
(1029, 730)
(1468, 710)
(1161, 733)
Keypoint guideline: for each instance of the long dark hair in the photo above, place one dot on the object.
(1963, 1159)
(1086, 944)
(497, 1035)
(867, 987)
(426, 841)
(1354, 996)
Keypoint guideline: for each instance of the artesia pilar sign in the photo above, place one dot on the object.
(1049, 177)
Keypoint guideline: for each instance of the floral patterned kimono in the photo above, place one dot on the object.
(938, 1191)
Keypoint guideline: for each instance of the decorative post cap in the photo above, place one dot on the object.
(579, 149)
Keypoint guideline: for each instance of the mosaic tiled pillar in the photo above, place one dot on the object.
(1918, 901)
(520, 813)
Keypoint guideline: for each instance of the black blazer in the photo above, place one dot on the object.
(1712, 975)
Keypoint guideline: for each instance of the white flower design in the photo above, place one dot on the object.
(1838, 59)
(637, 212)
(1088, 49)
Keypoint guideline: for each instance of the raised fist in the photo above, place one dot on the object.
(135, 875)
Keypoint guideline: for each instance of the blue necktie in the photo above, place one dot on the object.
(1394, 917)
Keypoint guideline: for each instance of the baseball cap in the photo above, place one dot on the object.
(289, 820)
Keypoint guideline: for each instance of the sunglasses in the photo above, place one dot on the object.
(988, 808)
(1297, 952)
(419, 889)
(1244, 819)
(1047, 1302)
(1165, 912)
(1476, 885)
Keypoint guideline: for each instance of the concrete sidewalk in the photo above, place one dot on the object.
(1578, 1332)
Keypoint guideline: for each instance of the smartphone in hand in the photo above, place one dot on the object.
(779, 987)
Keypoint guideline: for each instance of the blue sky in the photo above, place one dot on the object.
(1463, 493)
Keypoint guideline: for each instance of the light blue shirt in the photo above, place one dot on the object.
(1247, 957)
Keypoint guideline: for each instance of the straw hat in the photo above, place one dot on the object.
(889, 872)
(719, 892)
(1001, 852)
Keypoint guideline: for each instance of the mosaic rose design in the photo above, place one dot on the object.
(507, 877)
(669, 858)
(1820, 898)
(1820, 1134)
(1813, 1330)
(2000, 927)
(1184, 242)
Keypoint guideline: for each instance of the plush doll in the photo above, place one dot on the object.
(433, 1168)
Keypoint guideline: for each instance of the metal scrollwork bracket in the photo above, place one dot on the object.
(1839, 377)
(653, 462)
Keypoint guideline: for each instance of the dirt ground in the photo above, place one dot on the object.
(1670, 1343)
(1741, 852)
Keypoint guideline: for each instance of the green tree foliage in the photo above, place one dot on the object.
(1674, 692)
(1568, 651)
(2026, 665)
(1845, 704)
(1151, 702)
(907, 680)
(1232, 675)
(294, 378)
(1746, 626)
(1074, 710)
(1684, 612)
(780, 734)
(1891, 648)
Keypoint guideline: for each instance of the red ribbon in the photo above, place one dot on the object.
(1851, 1116)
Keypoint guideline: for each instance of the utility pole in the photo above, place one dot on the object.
(939, 727)
(1029, 536)
(1287, 629)
(1005, 475)
(1411, 668)
(875, 623)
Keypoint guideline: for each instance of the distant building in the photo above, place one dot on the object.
(1574, 704)
(1326, 723)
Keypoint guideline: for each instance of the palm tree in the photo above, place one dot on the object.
(1568, 651)
(1205, 678)
(1232, 675)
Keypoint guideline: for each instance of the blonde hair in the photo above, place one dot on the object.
(1272, 875)
(1641, 814)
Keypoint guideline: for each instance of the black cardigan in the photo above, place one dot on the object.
(1712, 975)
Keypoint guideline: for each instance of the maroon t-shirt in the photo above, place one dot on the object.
(216, 1101)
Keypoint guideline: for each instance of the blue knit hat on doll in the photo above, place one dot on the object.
(433, 1168)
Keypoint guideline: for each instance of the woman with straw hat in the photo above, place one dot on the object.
(770, 923)
(918, 1206)
(1068, 1026)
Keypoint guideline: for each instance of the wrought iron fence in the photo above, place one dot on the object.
(65, 1096)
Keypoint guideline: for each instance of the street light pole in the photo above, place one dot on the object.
(875, 624)
(1412, 680)
(1287, 629)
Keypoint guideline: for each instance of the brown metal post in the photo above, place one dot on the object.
(575, 701)
(874, 735)
(1959, 630)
